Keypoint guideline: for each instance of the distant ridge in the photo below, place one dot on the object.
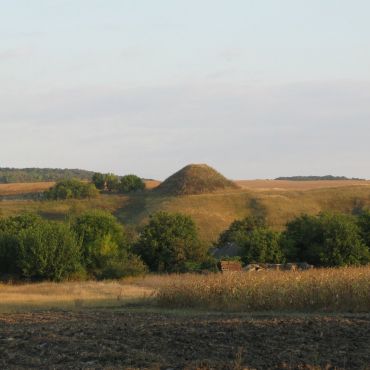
(318, 178)
(22, 175)
(195, 179)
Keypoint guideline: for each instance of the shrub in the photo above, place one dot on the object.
(130, 183)
(48, 251)
(168, 242)
(102, 237)
(364, 225)
(262, 245)
(326, 240)
(99, 181)
(71, 189)
(10, 228)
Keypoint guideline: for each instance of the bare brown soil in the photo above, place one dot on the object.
(108, 339)
(298, 185)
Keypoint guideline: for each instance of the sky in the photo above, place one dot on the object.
(254, 88)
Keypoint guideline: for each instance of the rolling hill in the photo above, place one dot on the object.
(195, 179)
(216, 204)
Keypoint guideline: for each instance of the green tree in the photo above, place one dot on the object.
(131, 183)
(168, 242)
(262, 245)
(111, 181)
(364, 225)
(326, 240)
(10, 229)
(99, 180)
(71, 189)
(102, 238)
(239, 230)
(49, 251)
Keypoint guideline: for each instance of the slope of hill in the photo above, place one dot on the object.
(16, 175)
(319, 178)
(195, 179)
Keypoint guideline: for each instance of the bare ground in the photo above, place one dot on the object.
(111, 339)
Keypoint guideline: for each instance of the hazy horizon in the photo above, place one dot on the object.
(255, 89)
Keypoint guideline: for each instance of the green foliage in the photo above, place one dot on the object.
(13, 175)
(258, 243)
(105, 249)
(111, 181)
(239, 230)
(71, 189)
(10, 229)
(168, 242)
(130, 183)
(326, 240)
(49, 251)
(126, 264)
(364, 225)
(99, 181)
(262, 245)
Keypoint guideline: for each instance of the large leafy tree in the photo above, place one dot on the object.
(99, 180)
(168, 242)
(49, 251)
(131, 183)
(326, 240)
(71, 189)
(257, 242)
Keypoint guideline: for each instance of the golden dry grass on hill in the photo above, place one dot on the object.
(24, 188)
(279, 185)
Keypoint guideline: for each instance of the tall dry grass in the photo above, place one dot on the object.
(326, 290)
(69, 295)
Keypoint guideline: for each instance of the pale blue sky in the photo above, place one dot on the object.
(257, 89)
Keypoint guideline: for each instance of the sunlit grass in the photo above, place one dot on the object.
(326, 290)
(69, 295)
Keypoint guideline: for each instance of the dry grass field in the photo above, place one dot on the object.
(69, 295)
(323, 290)
(285, 185)
(24, 188)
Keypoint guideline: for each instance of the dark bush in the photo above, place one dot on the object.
(169, 242)
(131, 183)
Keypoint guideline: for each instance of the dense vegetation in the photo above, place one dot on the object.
(111, 182)
(325, 240)
(13, 175)
(93, 244)
(71, 189)
(170, 243)
(317, 178)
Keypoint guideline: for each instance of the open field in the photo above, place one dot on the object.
(318, 290)
(131, 324)
(70, 295)
(24, 188)
(129, 339)
(286, 185)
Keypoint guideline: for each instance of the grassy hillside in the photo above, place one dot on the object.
(195, 179)
(212, 212)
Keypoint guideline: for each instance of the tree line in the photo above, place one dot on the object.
(76, 189)
(15, 175)
(95, 245)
